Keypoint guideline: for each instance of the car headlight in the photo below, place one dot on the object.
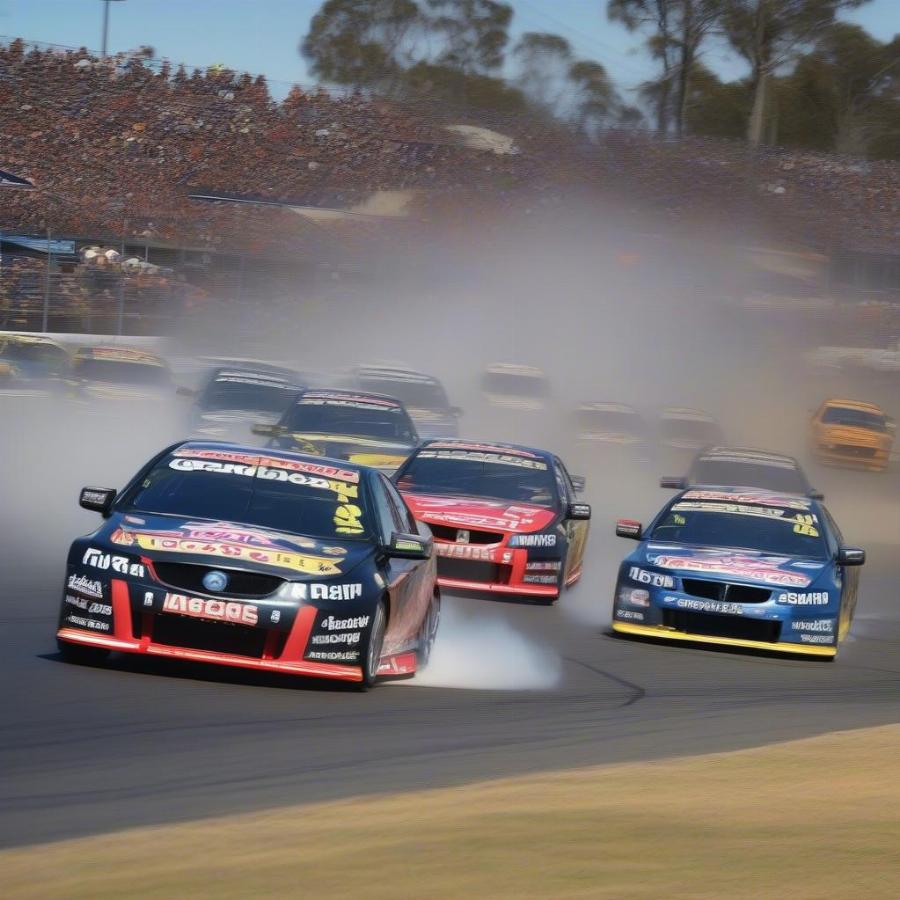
(634, 596)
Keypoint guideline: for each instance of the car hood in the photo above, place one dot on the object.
(233, 545)
(242, 415)
(745, 566)
(429, 414)
(473, 512)
(849, 434)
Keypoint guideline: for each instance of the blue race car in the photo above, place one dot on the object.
(739, 567)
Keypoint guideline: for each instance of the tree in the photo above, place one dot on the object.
(769, 34)
(543, 62)
(475, 33)
(361, 44)
(716, 108)
(595, 98)
(678, 30)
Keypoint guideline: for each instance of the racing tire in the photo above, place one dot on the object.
(372, 651)
(81, 655)
(428, 633)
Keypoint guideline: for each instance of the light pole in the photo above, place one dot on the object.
(106, 25)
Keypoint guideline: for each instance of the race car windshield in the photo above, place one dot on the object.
(44, 354)
(785, 532)
(388, 423)
(422, 394)
(610, 420)
(858, 418)
(738, 474)
(449, 475)
(699, 430)
(245, 393)
(514, 385)
(112, 371)
(267, 496)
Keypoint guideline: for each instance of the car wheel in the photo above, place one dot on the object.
(82, 655)
(372, 654)
(428, 633)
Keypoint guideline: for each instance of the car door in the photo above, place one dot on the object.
(849, 579)
(576, 529)
(404, 578)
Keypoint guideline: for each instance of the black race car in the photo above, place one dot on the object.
(259, 559)
(368, 429)
(744, 467)
(233, 399)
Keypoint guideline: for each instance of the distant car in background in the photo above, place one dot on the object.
(233, 399)
(612, 426)
(363, 428)
(853, 434)
(682, 431)
(13, 386)
(34, 356)
(744, 467)
(505, 518)
(515, 386)
(423, 396)
(120, 374)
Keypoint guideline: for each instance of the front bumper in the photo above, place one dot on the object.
(876, 462)
(495, 569)
(671, 634)
(522, 590)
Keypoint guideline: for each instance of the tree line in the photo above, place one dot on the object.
(812, 80)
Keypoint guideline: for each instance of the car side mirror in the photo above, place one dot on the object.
(408, 546)
(579, 482)
(580, 512)
(628, 528)
(851, 556)
(814, 494)
(673, 482)
(97, 499)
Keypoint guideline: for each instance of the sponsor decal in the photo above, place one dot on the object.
(80, 602)
(148, 598)
(84, 585)
(501, 457)
(631, 614)
(533, 540)
(270, 462)
(753, 568)
(657, 579)
(217, 610)
(484, 448)
(275, 616)
(90, 624)
(345, 637)
(175, 542)
(330, 623)
(334, 655)
(93, 496)
(637, 596)
(100, 609)
(334, 551)
(463, 551)
(752, 498)
(813, 598)
(822, 625)
(462, 536)
(714, 606)
(335, 591)
(539, 579)
(215, 581)
(121, 564)
(816, 639)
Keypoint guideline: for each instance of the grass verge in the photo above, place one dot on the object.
(807, 819)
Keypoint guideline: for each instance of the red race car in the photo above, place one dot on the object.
(505, 518)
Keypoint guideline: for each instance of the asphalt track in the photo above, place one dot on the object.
(140, 742)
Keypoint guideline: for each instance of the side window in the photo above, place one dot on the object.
(835, 538)
(384, 508)
(563, 484)
(405, 522)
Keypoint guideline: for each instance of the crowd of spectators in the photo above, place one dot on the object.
(115, 146)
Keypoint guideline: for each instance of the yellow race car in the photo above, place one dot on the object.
(852, 433)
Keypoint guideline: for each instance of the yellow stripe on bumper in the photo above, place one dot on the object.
(667, 634)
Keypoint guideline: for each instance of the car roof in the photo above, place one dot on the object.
(747, 496)
(16, 338)
(686, 412)
(862, 405)
(120, 354)
(256, 374)
(514, 369)
(394, 373)
(362, 396)
(487, 447)
(603, 406)
(226, 447)
(748, 455)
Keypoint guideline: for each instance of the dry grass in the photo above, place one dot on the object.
(808, 819)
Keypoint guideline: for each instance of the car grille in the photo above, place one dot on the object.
(719, 590)
(853, 450)
(472, 570)
(217, 637)
(711, 625)
(189, 577)
(451, 533)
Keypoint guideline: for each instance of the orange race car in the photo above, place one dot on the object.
(852, 433)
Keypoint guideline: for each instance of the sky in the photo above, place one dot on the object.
(262, 35)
